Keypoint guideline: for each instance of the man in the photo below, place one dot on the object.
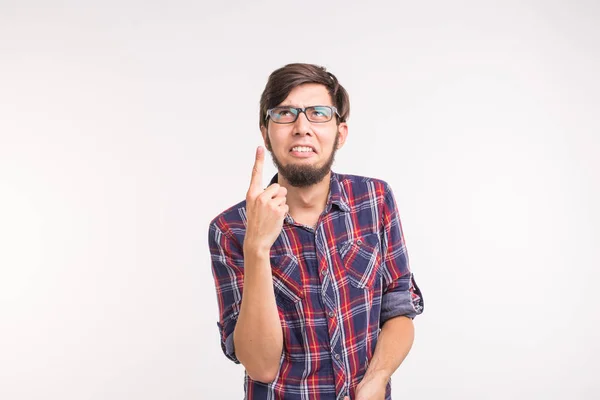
(316, 298)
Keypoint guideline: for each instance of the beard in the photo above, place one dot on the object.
(303, 175)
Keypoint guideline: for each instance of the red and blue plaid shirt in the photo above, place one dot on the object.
(335, 285)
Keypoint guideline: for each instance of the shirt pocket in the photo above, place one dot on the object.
(287, 279)
(361, 257)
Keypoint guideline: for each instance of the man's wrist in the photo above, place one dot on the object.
(256, 252)
(381, 375)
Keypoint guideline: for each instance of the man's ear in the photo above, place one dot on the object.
(264, 133)
(343, 132)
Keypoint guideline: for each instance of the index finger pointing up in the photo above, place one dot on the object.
(257, 170)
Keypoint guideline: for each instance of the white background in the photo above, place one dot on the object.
(118, 146)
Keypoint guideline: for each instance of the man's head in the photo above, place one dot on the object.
(303, 142)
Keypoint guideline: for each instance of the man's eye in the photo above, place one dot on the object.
(320, 113)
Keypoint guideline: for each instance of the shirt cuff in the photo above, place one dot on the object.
(230, 350)
(227, 346)
(394, 304)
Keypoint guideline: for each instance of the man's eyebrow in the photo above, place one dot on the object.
(312, 105)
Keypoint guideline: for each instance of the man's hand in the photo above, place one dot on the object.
(372, 387)
(258, 336)
(265, 209)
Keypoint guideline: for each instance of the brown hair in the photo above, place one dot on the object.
(283, 80)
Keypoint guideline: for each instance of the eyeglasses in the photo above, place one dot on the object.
(287, 115)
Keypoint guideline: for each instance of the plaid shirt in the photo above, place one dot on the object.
(335, 285)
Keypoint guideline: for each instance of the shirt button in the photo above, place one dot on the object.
(324, 272)
(331, 314)
(359, 242)
(336, 356)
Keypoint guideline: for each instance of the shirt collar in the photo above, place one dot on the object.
(336, 195)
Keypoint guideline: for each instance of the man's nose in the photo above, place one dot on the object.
(302, 125)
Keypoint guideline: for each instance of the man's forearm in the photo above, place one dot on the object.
(394, 342)
(258, 338)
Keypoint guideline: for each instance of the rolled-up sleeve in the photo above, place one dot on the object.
(227, 269)
(401, 295)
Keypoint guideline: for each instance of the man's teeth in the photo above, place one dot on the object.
(302, 149)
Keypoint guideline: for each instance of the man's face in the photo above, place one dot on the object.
(301, 168)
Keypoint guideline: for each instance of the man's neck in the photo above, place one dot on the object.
(307, 199)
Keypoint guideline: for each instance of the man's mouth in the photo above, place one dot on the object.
(302, 149)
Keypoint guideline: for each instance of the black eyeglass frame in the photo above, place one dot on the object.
(302, 110)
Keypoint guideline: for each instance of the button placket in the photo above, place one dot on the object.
(327, 292)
